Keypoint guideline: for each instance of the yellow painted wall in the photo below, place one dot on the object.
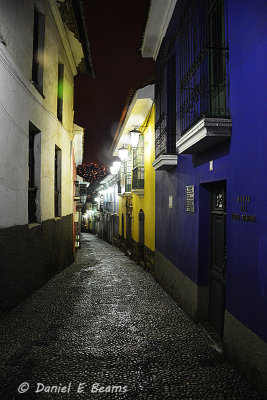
(122, 210)
(147, 203)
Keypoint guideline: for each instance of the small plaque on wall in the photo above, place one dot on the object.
(190, 198)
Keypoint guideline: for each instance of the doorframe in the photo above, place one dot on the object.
(212, 188)
(205, 248)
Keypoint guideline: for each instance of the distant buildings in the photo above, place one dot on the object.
(43, 46)
(127, 197)
(210, 164)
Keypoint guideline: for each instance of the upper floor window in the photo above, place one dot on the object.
(60, 92)
(138, 165)
(38, 49)
(203, 57)
(34, 168)
(127, 176)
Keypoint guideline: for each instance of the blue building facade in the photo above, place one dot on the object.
(211, 168)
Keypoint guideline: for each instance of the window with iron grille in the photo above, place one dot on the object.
(161, 129)
(203, 60)
(138, 166)
(120, 178)
(128, 173)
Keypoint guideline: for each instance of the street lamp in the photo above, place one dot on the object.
(134, 134)
(114, 169)
(123, 153)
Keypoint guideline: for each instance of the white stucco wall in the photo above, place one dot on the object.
(21, 103)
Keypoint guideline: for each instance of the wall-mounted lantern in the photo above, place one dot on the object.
(114, 169)
(123, 153)
(134, 134)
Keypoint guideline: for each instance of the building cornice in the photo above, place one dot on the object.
(159, 17)
(137, 112)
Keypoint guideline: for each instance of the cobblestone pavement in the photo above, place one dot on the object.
(104, 322)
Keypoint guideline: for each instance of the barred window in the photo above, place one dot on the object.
(203, 58)
(127, 175)
(138, 165)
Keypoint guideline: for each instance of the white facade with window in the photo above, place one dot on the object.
(39, 57)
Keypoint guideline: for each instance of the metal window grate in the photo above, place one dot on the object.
(138, 178)
(161, 135)
(128, 174)
(203, 60)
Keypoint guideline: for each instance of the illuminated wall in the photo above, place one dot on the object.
(147, 203)
(43, 247)
(22, 103)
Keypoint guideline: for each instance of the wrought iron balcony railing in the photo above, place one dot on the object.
(203, 63)
(165, 138)
(138, 178)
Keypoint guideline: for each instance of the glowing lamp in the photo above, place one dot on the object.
(134, 134)
(114, 169)
(123, 153)
(117, 165)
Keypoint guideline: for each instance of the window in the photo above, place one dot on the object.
(127, 176)
(160, 99)
(166, 106)
(203, 56)
(38, 50)
(60, 91)
(138, 165)
(120, 178)
(57, 182)
(171, 105)
(34, 174)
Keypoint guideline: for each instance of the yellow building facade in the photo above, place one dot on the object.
(136, 178)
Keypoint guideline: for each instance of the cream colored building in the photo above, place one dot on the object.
(40, 53)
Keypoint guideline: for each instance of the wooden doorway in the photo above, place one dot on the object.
(217, 255)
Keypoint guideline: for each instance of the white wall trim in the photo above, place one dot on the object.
(165, 161)
(160, 14)
(206, 132)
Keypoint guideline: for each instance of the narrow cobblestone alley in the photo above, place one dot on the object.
(105, 322)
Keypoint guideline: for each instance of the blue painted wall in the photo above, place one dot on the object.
(182, 237)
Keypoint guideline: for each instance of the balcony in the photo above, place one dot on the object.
(77, 191)
(138, 181)
(166, 156)
(204, 134)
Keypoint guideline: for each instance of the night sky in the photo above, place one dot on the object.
(115, 32)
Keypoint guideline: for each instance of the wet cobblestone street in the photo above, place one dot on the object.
(105, 320)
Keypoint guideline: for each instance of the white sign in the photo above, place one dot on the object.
(190, 198)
